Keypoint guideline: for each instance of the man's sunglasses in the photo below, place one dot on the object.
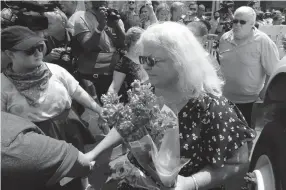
(32, 50)
(150, 61)
(242, 22)
(193, 9)
(131, 2)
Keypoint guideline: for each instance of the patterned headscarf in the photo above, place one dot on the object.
(32, 84)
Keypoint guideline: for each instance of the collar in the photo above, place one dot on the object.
(230, 37)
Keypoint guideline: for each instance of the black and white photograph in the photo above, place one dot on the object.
(143, 95)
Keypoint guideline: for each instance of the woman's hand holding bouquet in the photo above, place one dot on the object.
(151, 134)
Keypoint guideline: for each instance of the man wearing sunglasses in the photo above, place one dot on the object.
(247, 56)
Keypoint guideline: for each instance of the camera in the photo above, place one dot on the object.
(26, 13)
(225, 5)
(112, 14)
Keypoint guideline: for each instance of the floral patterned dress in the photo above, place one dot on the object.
(211, 130)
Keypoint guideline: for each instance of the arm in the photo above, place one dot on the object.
(152, 15)
(90, 40)
(118, 28)
(269, 60)
(117, 81)
(82, 97)
(212, 176)
(111, 140)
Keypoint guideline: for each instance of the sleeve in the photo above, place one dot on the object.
(121, 24)
(80, 26)
(51, 159)
(68, 80)
(226, 132)
(121, 66)
(270, 55)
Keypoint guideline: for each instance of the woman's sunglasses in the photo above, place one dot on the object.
(32, 50)
(242, 22)
(150, 61)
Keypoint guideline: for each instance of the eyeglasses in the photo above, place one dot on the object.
(150, 61)
(131, 2)
(32, 50)
(242, 22)
(193, 9)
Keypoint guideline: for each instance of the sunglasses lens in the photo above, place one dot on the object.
(32, 50)
(147, 60)
(242, 22)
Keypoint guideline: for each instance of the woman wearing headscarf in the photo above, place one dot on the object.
(42, 92)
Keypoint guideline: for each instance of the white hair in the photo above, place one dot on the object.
(247, 10)
(197, 75)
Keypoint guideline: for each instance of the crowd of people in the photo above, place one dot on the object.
(59, 58)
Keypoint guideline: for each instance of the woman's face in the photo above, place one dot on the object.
(163, 73)
(163, 15)
(144, 14)
(28, 61)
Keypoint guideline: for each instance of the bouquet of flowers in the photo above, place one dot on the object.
(150, 133)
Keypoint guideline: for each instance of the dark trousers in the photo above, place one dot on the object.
(246, 110)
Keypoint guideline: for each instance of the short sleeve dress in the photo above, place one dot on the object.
(211, 130)
(132, 71)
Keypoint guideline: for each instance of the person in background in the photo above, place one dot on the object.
(213, 133)
(147, 16)
(259, 19)
(191, 14)
(247, 56)
(268, 18)
(155, 5)
(177, 10)
(200, 31)
(58, 40)
(277, 19)
(128, 68)
(71, 8)
(163, 12)
(96, 34)
(130, 18)
(201, 12)
(214, 22)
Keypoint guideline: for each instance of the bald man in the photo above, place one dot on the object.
(247, 56)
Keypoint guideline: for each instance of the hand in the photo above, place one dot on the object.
(112, 23)
(184, 183)
(149, 7)
(101, 16)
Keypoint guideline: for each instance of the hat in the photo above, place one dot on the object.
(21, 37)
